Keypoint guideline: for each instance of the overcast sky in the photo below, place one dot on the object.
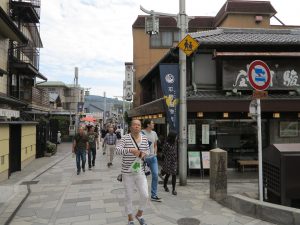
(96, 36)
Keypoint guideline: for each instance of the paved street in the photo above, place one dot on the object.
(96, 197)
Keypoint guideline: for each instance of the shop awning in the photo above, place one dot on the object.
(9, 29)
(221, 105)
(263, 54)
(153, 107)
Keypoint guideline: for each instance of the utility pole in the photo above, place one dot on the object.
(182, 23)
(182, 102)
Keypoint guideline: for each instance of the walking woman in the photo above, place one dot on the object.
(169, 166)
(134, 147)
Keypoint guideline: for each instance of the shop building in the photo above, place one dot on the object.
(19, 73)
(219, 93)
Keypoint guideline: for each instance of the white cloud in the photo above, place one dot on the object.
(96, 36)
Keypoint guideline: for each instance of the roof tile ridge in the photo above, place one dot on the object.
(207, 33)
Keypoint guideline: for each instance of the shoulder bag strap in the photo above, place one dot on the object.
(136, 145)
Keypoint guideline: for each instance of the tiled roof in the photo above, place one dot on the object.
(52, 83)
(230, 7)
(232, 36)
(221, 95)
(237, 6)
(169, 22)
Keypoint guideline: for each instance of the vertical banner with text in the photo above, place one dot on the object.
(169, 77)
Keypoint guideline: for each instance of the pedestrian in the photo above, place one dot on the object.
(151, 159)
(169, 166)
(110, 141)
(103, 133)
(93, 144)
(58, 137)
(118, 133)
(96, 129)
(134, 147)
(80, 148)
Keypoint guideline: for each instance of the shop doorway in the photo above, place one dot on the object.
(14, 148)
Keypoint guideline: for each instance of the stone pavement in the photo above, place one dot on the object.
(96, 197)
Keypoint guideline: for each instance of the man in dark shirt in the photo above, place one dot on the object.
(80, 147)
(93, 139)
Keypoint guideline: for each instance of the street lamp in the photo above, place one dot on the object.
(182, 23)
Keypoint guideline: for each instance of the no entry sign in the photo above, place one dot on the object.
(259, 75)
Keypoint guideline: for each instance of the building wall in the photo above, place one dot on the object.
(143, 59)
(3, 64)
(4, 5)
(4, 151)
(28, 144)
(245, 21)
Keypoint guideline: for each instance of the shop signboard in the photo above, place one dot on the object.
(192, 134)
(283, 73)
(205, 134)
(194, 160)
(128, 83)
(205, 160)
(9, 113)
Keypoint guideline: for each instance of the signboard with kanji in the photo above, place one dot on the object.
(188, 45)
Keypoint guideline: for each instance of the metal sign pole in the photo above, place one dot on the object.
(259, 138)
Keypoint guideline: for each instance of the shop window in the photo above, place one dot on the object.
(237, 137)
(14, 80)
(288, 129)
(164, 39)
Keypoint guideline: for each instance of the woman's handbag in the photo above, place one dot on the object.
(145, 165)
(146, 169)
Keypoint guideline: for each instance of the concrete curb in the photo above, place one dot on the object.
(263, 210)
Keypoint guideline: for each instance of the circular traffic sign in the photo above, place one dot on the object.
(259, 75)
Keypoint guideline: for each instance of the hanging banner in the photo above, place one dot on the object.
(169, 77)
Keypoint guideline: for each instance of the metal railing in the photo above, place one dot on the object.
(25, 54)
(36, 4)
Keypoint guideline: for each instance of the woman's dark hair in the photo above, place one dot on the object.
(146, 122)
(171, 138)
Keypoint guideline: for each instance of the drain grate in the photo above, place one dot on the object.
(188, 221)
(30, 182)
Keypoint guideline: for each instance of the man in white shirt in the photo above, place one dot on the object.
(151, 160)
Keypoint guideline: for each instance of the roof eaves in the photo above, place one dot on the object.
(155, 65)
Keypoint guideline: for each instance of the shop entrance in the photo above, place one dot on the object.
(14, 148)
(237, 137)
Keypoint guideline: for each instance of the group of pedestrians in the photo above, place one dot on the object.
(139, 151)
(85, 143)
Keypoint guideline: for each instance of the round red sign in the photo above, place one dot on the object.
(259, 75)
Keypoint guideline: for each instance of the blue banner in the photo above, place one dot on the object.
(169, 77)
